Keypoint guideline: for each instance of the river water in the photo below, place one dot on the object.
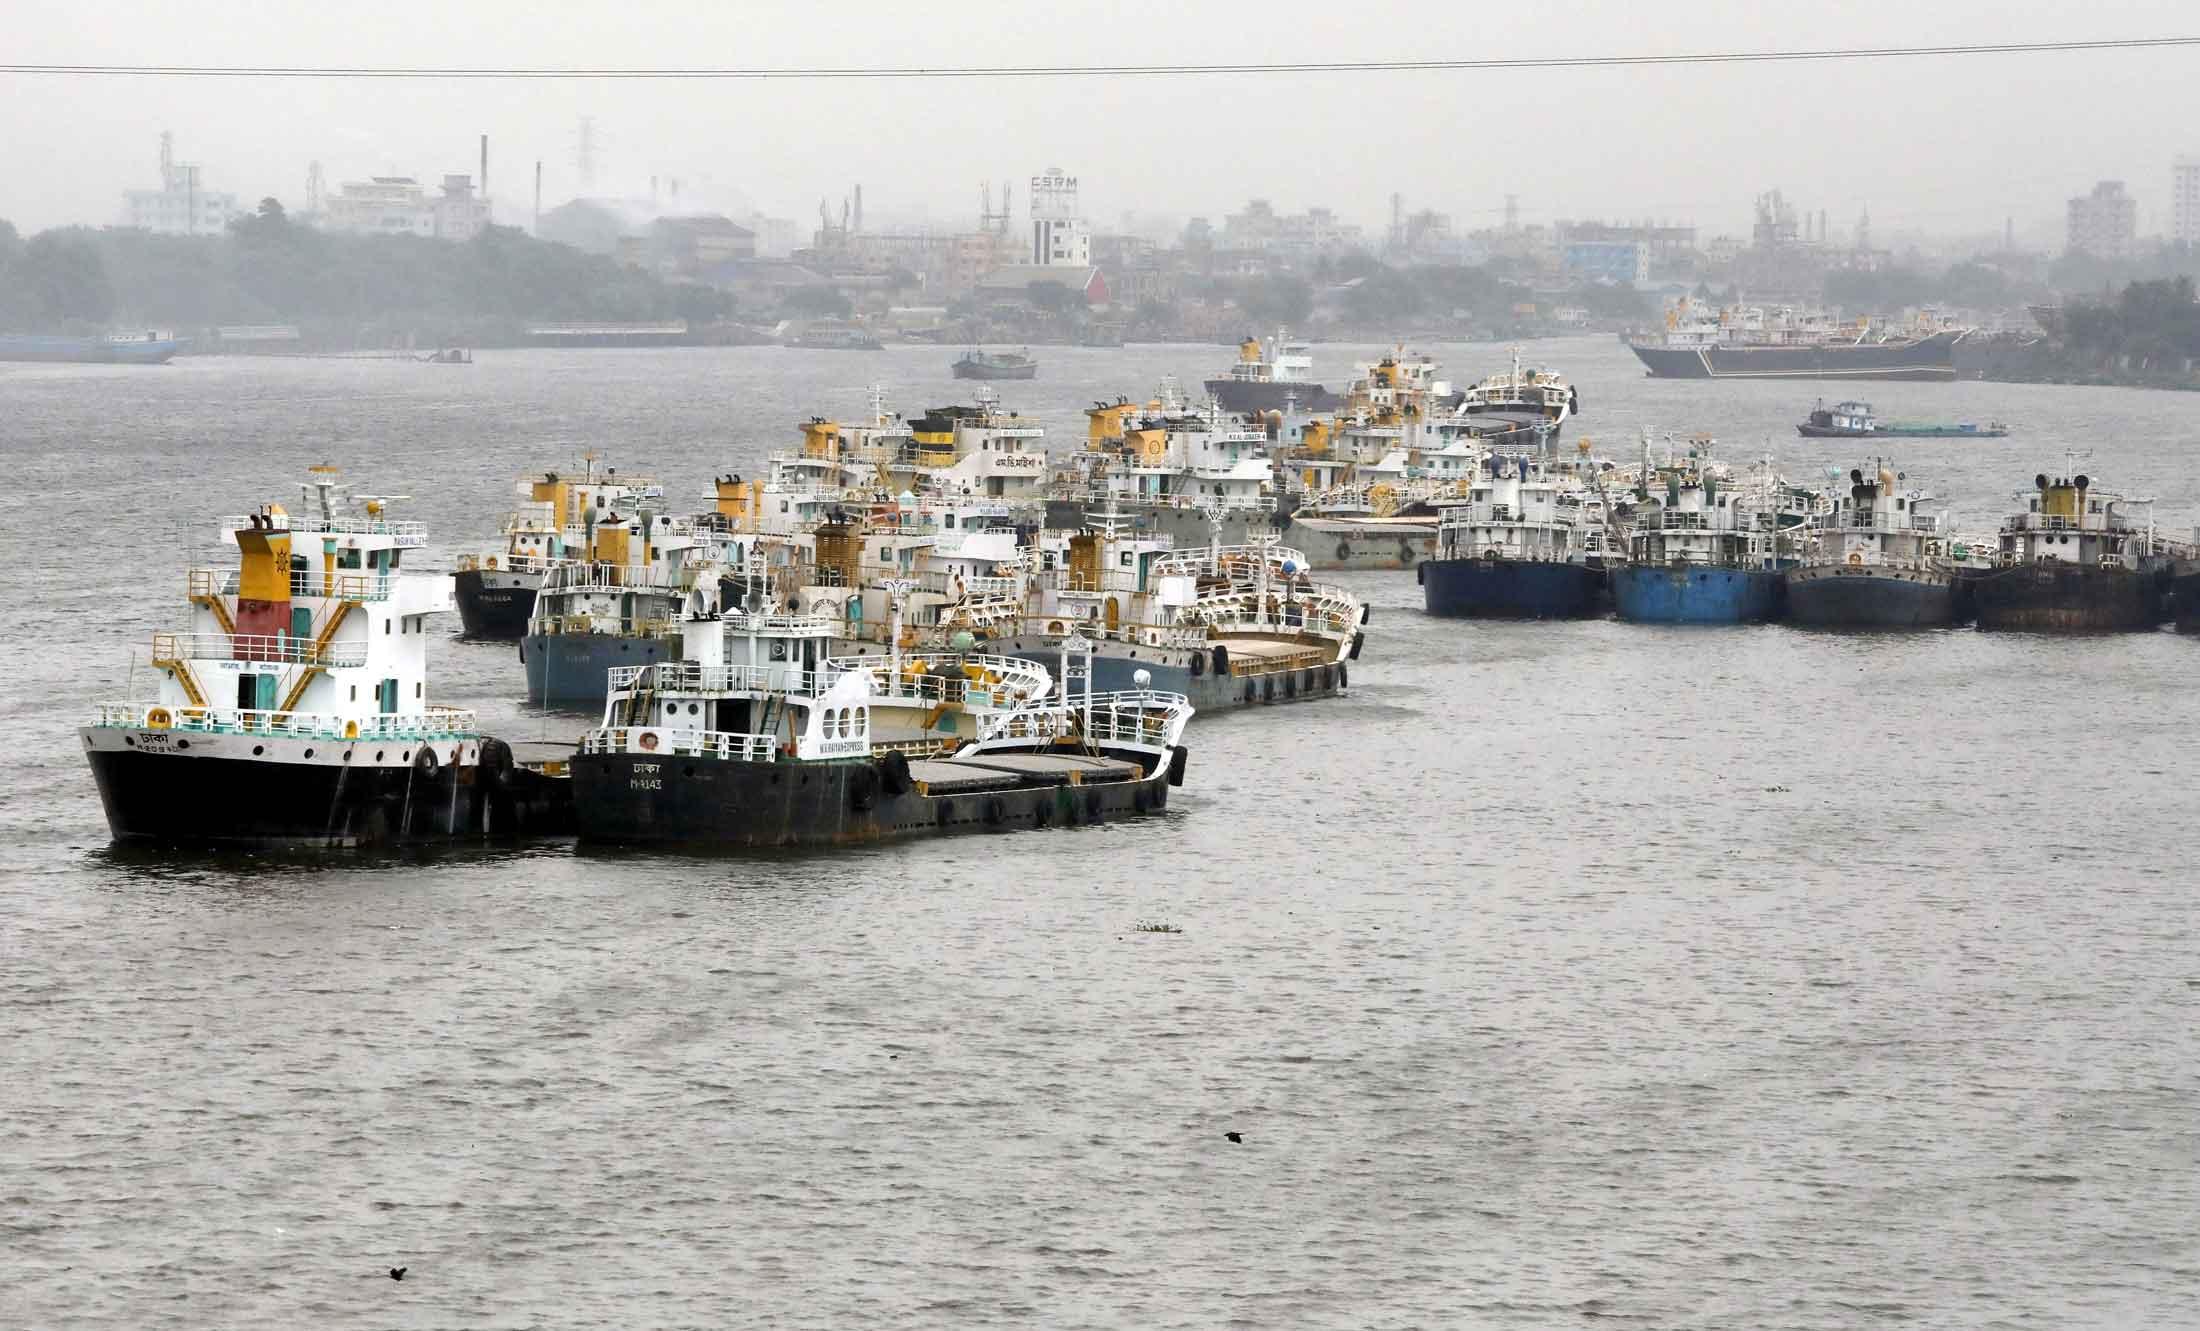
(1561, 973)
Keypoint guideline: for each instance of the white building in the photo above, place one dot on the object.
(400, 206)
(182, 206)
(2184, 200)
(1058, 234)
(2104, 223)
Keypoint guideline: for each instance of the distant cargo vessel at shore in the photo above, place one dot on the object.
(1281, 378)
(1854, 420)
(1751, 343)
(148, 349)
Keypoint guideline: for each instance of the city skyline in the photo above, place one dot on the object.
(1945, 145)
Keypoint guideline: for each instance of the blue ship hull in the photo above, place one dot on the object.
(573, 669)
(1510, 589)
(1837, 595)
(1696, 594)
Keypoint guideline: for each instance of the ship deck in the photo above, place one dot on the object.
(1007, 771)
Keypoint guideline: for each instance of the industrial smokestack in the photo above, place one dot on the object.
(484, 166)
(538, 196)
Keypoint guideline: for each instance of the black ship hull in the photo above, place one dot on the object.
(635, 799)
(1247, 396)
(2068, 598)
(494, 606)
(2184, 598)
(307, 794)
(1842, 595)
(1924, 358)
(1511, 589)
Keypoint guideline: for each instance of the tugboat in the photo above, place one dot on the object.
(1528, 543)
(1854, 420)
(1266, 380)
(495, 588)
(1882, 561)
(741, 747)
(293, 710)
(976, 364)
(1712, 552)
(2079, 559)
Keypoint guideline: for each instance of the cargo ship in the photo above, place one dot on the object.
(741, 745)
(2079, 559)
(1277, 377)
(1710, 549)
(976, 364)
(1753, 343)
(495, 588)
(150, 348)
(293, 711)
(1530, 542)
(1854, 420)
(1882, 559)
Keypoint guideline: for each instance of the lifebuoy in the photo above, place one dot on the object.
(1856, 559)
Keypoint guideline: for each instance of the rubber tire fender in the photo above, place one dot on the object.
(893, 774)
(1178, 757)
(1357, 639)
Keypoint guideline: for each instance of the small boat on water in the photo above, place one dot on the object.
(976, 364)
(292, 710)
(1854, 420)
(1884, 559)
(149, 348)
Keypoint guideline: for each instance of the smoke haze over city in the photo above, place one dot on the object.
(1941, 145)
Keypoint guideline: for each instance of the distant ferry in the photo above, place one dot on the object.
(1854, 420)
(1278, 377)
(145, 349)
(1753, 343)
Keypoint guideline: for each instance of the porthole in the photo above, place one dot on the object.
(347, 755)
(183, 744)
(258, 749)
(380, 754)
(408, 756)
(309, 753)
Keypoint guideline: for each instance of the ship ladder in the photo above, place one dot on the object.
(173, 662)
(313, 666)
(203, 593)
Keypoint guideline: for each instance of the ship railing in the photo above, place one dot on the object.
(565, 576)
(689, 677)
(275, 649)
(1131, 718)
(504, 562)
(209, 582)
(429, 723)
(946, 677)
(609, 624)
(1098, 497)
(1334, 616)
(2100, 522)
(408, 534)
(726, 745)
(1231, 561)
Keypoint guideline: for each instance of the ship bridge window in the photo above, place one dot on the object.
(347, 559)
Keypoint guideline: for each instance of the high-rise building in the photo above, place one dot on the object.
(1058, 234)
(2184, 200)
(182, 206)
(2105, 223)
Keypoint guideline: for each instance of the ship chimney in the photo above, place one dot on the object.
(484, 166)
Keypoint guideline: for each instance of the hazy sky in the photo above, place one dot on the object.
(1944, 145)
